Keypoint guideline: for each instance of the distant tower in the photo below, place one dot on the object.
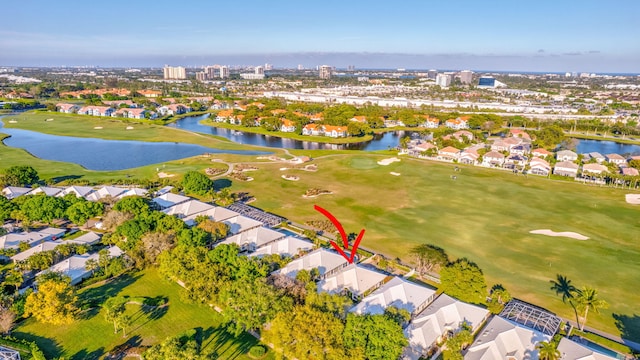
(259, 70)
(324, 72)
(224, 72)
(351, 68)
(431, 74)
(466, 76)
(173, 73)
(300, 67)
(268, 67)
(444, 80)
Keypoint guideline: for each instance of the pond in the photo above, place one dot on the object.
(380, 141)
(606, 147)
(99, 154)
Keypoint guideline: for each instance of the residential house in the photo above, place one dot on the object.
(594, 169)
(519, 133)
(89, 238)
(616, 159)
(287, 247)
(44, 246)
(150, 93)
(13, 240)
(503, 339)
(287, 125)
(174, 109)
(444, 316)
(132, 113)
(571, 350)
(250, 241)
(224, 116)
(277, 112)
(541, 153)
(458, 124)
(566, 155)
(105, 192)
(448, 153)
(312, 129)
(133, 192)
(629, 171)
(430, 122)
(215, 213)
(74, 267)
(354, 280)
(521, 150)
(463, 134)
(469, 157)
(12, 192)
(48, 191)
(539, 166)
(399, 293)
(78, 191)
(334, 131)
(493, 159)
(327, 262)
(117, 103)
(566, 168)
(187, 208)
(359, 119)
(168, 199)
(421, 147)
(515, 161)
(594, 155)
(96, 110)
(507, 144)
(67, 108)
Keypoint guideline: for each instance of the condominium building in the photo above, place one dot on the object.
(431, 74)
(224, 72)
(466, 76)
(325, 72)
(444, 80)
(259, 70)
(174, 73)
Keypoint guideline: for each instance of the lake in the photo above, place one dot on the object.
(606, 147)
(380, 141)
(99, 154)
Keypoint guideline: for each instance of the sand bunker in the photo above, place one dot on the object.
(13, 121)
(290, 177)
(388, 161)
(49, 120)
(129, 128)
(633, 199)
(165, 175)
(568, 234)
(98, 127)
(394, 173)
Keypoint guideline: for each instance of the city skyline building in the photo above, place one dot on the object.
(324, 72)
(224, 72)
(444, 80)
(174, 72)
(466, 77)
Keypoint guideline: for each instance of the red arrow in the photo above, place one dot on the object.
(345, 241)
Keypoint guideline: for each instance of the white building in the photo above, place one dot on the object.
(224, 72)
(353, 280)
(174, 73)
(444, 80)
(571, 350)
(399, 293)
(324, 72)
(466, 76)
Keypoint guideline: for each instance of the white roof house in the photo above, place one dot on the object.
(566, 155)
(133, 192)
(187, 208)
(12, 192)
(240, 223)
(254, 238)
(503, 339)
(89, 238)
(571, 350)
(49, 191)
(353, 279)
(74, 267)
(13, 240)
(215, 213)
(398, 293)
(78, 191)
(443, 315)
(327, 262)
(168, 200)
(104, 192)
(45, 246)
(566, 168)
(288, 247)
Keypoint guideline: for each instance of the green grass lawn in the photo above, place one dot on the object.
(485, 215)
(92, 337)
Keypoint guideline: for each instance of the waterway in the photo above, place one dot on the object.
(99, 154)
(380, 141)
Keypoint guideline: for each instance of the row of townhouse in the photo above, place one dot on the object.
(86, 192)
(427, 121)
(433, 317)
(130, 112)
(324, 130)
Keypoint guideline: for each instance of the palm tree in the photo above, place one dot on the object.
(586, 300)
(547, 351)
(562, 286)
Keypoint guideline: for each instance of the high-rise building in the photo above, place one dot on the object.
(211, 71)
(259, 70)
(444, 80)
(300, 67)
(202, 76)
(466, 76)
(431, 74)
(351, 68)
(268, 67)
(324, 71)
(224, 72)
(174, 72)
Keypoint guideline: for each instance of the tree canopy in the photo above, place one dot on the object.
(21, 175)
(464, 280)
(54, 303)
(197, 183)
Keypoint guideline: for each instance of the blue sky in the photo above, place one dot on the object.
(558, 35)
